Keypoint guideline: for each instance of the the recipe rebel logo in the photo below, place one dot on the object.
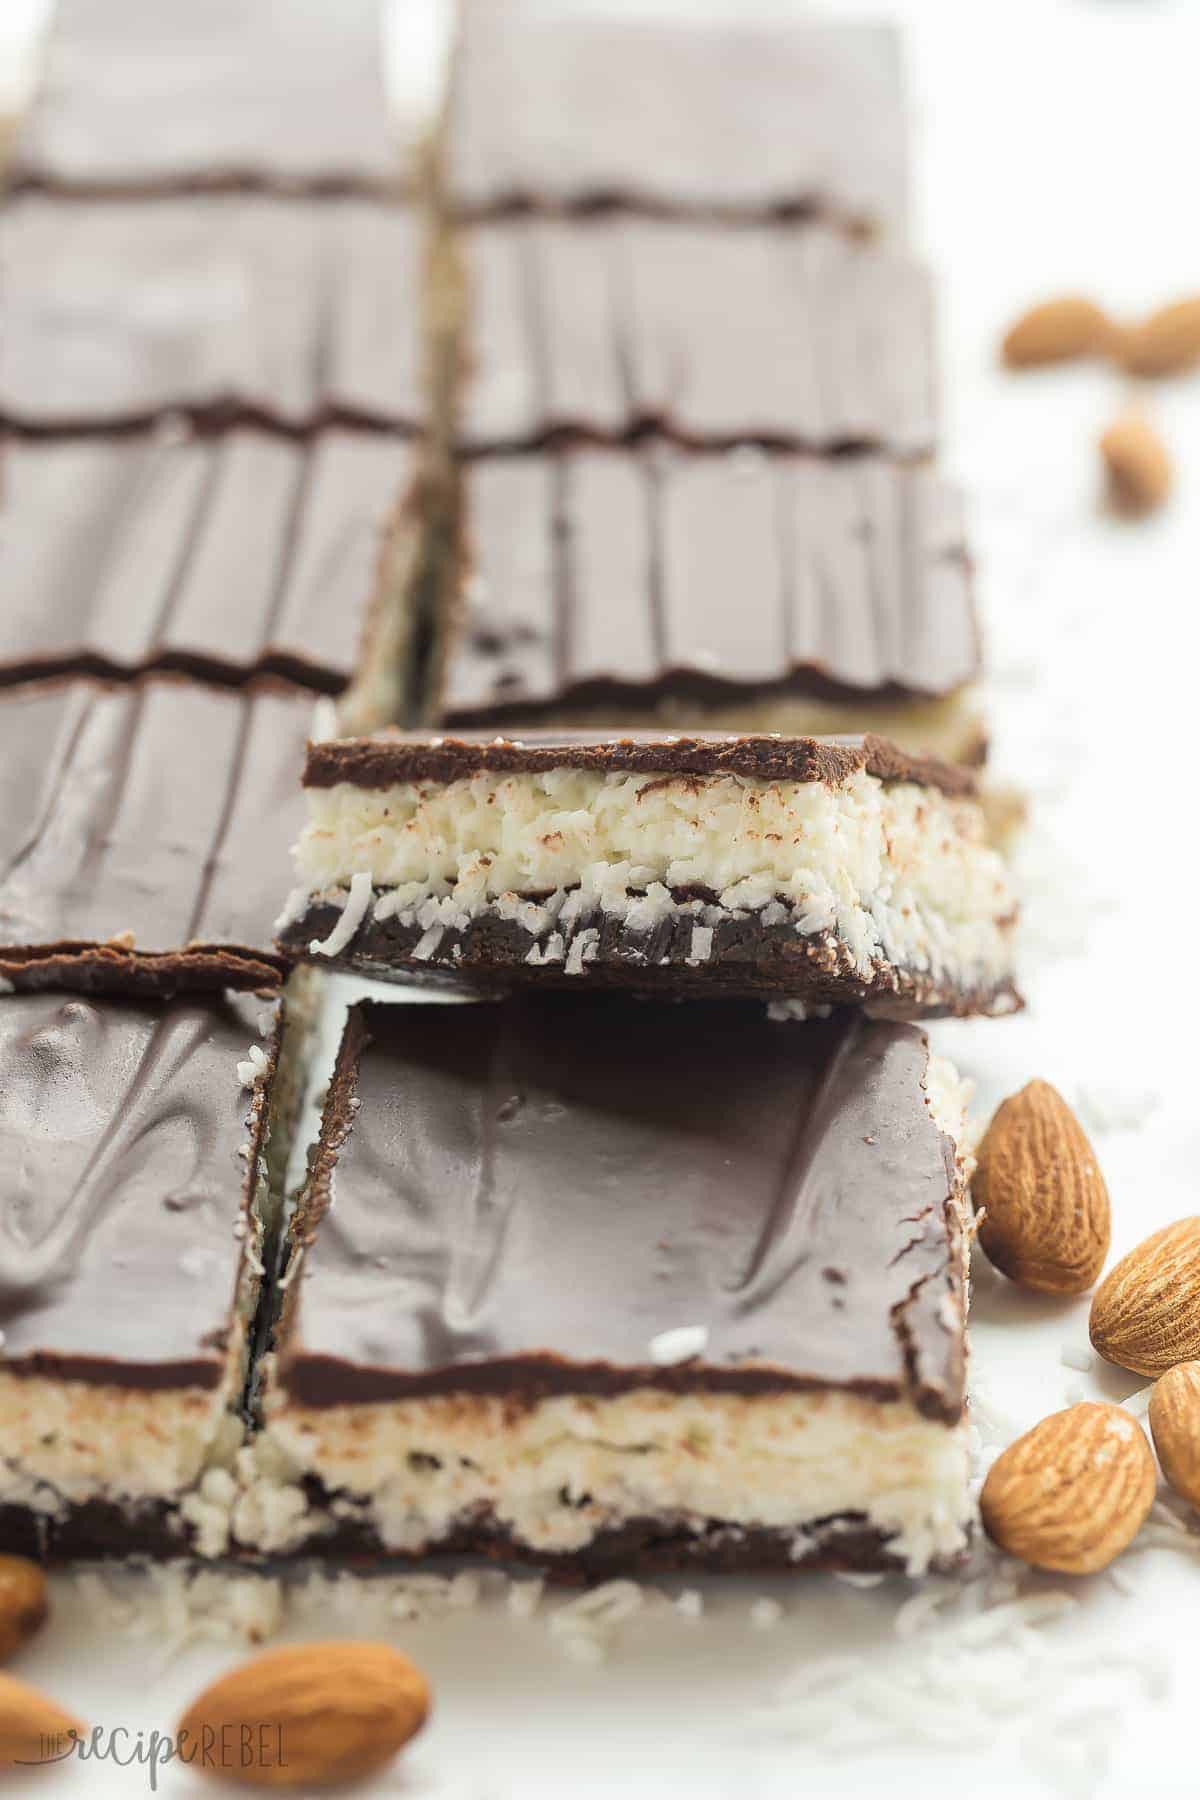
(232, 1750)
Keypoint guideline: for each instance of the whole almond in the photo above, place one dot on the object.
(1146, 1312)
(23, 1602)
(1136, 465)
(1073, 1492)
(1057, 331)
(33, 1728)
(1167, 342)
(1046, 1220)
(312, 1714)
(1175, 1423)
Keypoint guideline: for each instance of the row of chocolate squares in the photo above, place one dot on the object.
(576, 1279)
(640, 586)
(759, 117)
(146, 827)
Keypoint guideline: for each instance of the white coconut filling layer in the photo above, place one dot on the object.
(69, 1442)
(898, 873)
(575, 1466)
(66, 1442)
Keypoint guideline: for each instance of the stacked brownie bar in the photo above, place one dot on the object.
(582, 487)
(209, 404)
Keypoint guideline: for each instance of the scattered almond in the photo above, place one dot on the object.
(1046, 1221)
(1136, 464)
(23, 1602)
(1175, 1423)
(1073, 1492)
(33, 1728)
(1166, 343)
(314, 1714)
(1146, 1313)
(1058, 331)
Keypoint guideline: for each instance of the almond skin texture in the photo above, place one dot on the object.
(1046, 1221)
(23, 1602)
(1058, 331)
(1137, 466)
(1175, 1423)
(317, 1714)
(1146, 1313)
(1073, 1492)
(1166, 343)
(33, 1728)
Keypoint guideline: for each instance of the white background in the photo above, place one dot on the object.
(1056, 150)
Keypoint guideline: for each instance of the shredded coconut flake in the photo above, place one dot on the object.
(254, 1067)
(677, 1346)
(294, 908)
(353, 914)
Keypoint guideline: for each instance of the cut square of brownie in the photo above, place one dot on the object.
(606, 328)
(613, 1286)
(732, 590)
(725, 118)
(824, 870)
(135, 97)
(221, 308)
(219, 555)
(144, 831)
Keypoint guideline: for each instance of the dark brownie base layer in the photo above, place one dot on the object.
(97, 1530)
(746, 958)
(639, 1547)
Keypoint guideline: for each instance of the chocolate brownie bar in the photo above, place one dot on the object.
(827, 870)
(225, 308)
(222, 556)
(607, 327)
(136, 1204)
(144, 832)
(714, 118)
(733, 590)
(137, 96)
(616, 1287)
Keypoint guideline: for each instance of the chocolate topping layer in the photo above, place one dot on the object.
(614, 578)
(527, 1194)
(138, 94)
(222, 556)
(715, 335)
(122, 1185)
(729, 117)
(222, 307)
(393, 756)
(144, 833)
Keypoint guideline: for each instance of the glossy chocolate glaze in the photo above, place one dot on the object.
(122, 1185)
(616, 578)
(525, 1195)
(144, 832)
(725, 117)
(138, 95)
(221, 307)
